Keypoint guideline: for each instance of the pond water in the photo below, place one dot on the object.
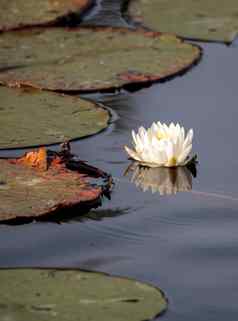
(185, 243)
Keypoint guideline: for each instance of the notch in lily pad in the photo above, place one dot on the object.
(45, 185)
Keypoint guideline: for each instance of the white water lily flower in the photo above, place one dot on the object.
(161, 145)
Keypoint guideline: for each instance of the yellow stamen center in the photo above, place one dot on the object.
(173, 161)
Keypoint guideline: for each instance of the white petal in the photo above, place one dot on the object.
(184, 154)
(159, 124)
(176, 147)
(132, 154)
(182, 134)
(141, 132)
(169, 151)
(154, 127)
(134, 137)
(171, 125)
(165, 127)
(150, 164)
(188, 139)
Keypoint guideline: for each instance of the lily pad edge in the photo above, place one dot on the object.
(68, 19)
(129, 85)
(62, 94)
(137, 22)
(108, 275)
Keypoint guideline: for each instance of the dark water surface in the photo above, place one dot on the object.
(188, 243)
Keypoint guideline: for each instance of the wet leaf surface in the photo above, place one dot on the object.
(72, 295)
(91, 59)
(34, 117)
(20, 13)
(44, 183)
(200, 19)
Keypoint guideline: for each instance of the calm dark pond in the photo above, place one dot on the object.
(186, 243)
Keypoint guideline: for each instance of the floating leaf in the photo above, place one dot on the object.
(21, 13)
(85, 59)
(30, 118)
(201, 19)
(72, 295)
(44, 183)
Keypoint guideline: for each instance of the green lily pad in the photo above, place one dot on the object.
(201, 19)
(20, 13)
(86, 59)
(73, 295)
(44, 184)
(34, 117)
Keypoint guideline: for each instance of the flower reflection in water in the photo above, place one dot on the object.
(163, 180)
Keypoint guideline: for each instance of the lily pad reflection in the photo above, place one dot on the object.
(165, 181)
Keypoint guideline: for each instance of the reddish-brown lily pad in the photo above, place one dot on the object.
(30, 117)
(208, 20)
(86, 59)
(21, 13)
(43, 183)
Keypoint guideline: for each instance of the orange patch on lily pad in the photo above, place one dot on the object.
(42, 183)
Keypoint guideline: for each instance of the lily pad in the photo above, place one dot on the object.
(72, 295)
(45, 183)
(87, 60)
(34, 117)
(20, 13)
(200, 19)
